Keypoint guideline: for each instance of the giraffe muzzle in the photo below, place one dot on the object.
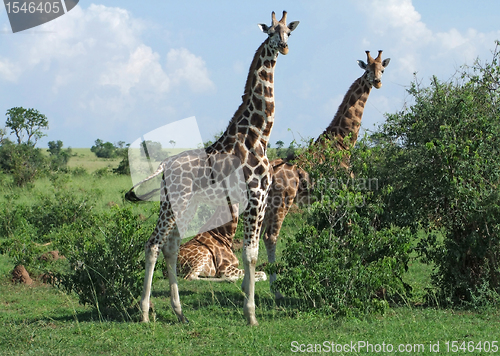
(283, 48)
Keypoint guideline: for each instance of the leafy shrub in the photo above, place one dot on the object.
(342, 260)
(23, 161)
(104, 250)
(442, 161)
(102, 172)
(58, 157)
(124, 165)
(106, 256)
(26, 229)
(78, 171)
(104, 149)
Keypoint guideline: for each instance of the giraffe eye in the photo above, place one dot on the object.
(382, 71)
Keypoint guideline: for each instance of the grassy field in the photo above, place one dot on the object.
(83, 157)
(42, 320)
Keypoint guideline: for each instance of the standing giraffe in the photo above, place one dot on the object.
(191, 173)
(290, 182)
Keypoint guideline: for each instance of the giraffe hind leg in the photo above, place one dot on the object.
(170, 253)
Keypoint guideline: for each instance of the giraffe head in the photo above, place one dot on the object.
(278, 32)
(374, 68)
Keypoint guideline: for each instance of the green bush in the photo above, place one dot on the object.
(104, 251)
(26, 229)
(342, 260)
(106, 256)
(23, 161)
(442, 162)
(58, 157)
(105, 149)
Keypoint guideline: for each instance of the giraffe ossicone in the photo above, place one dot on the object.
(246, 137)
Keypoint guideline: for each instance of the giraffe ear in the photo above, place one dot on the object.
(362, 64)
(385, 62)
(264, 28)
(293, 25)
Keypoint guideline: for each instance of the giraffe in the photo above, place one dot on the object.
(190, 173)
(290, 182)
(210, 254)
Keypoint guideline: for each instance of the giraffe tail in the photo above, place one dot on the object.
(133, 197)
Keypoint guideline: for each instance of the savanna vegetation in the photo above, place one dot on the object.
(402, 249)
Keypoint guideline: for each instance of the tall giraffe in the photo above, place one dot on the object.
(189, 174)
(209, 254)
(290, 182)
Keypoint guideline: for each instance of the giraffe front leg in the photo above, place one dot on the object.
(151, 257)
(249, 261)
(250, 255)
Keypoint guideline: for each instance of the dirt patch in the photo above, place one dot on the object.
(20, 275)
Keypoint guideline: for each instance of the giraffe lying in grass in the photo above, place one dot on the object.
(209, 254)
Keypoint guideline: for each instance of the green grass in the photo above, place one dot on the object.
(110, 189)
(83, 157)
(42, 320)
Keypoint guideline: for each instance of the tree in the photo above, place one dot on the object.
(22, 160)
(26, 122)
(153, 150)
(442, 159)
(3, 134)
(59, 157)
(104, 149)
(124, 165)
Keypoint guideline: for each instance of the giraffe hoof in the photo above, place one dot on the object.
(253, 322)
(183, 319)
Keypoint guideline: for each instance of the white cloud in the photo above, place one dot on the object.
(183, 66)
(398, 16)
(413, 46)
(95, 65)
(101, 47)
(142, 67)
(8, 70)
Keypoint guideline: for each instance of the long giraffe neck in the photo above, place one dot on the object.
(252, 123)
(347, 120)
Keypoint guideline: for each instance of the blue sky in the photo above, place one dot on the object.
(115, 70)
